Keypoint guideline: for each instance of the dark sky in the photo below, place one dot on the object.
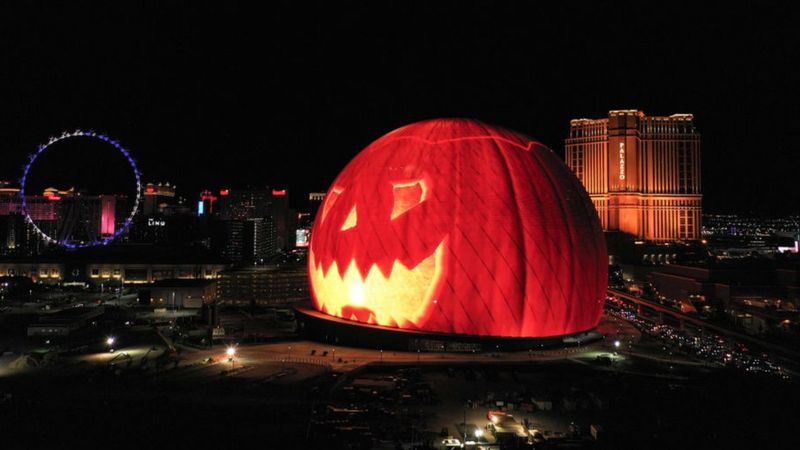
(199, 91)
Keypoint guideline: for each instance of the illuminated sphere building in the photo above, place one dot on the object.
(455, 228)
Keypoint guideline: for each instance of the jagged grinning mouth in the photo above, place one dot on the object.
(394, 300)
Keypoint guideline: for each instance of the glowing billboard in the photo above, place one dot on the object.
(302, 237)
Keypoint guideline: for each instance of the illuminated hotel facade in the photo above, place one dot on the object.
(641, 172)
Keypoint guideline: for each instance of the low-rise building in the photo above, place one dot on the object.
(263, 285)
(133, 264)
(178, 293)
(62, 323)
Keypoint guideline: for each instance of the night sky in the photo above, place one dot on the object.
(199, 92)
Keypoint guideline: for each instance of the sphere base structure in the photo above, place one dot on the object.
(325, 328)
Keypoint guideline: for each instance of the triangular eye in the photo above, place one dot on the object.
(352, 219)
(407, 195)
(329, 201)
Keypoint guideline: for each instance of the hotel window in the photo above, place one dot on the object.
(577, 162)
(684, 169)
(95, 272)
(686, 222)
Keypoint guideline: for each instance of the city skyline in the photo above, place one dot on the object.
(421, 225)
(307, 99)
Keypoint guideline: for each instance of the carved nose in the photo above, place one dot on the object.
(351, 220)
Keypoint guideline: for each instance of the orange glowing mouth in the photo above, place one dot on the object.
(397, 299)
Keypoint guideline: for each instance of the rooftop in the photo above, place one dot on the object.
(124, 254)
(183, 282)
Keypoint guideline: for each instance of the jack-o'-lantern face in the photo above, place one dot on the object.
(386, 231)
(454, 226)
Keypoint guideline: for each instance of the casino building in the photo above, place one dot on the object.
(641, 172)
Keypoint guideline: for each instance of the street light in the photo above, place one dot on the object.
(231, 352)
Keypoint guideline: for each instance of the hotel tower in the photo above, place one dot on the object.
(642, 173)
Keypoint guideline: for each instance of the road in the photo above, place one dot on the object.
(703, 324)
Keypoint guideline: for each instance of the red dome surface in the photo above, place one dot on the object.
(456, 226)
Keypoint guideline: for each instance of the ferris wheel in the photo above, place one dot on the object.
(75, 226)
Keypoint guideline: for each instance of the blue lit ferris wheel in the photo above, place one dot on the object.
(63, 236)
